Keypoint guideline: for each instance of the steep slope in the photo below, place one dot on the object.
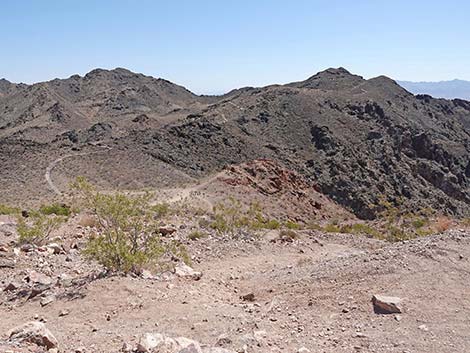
(359, 140)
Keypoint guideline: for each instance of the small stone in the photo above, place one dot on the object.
(423, 328)
(11, 287)
(386, 305)
(249, 297)
(47, 300)
(64, 312)
(303, 350)
(126, 348)
(146, 274)
(167, 230)
(223, 340)
(4, 263)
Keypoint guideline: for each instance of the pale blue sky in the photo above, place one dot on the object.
(213, 46)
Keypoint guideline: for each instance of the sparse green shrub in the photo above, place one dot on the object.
(8, 210)
(272, 224)
(292, 225)
(465, 222)
(128, 239)
(196, 235)
(332, 228)
(314, 226)
(231, 215)
(396, 234)
(55, 208)
(37, 228)
(161, 209)
(362, 228)
(419, 223)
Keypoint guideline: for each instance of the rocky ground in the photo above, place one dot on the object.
(248, 294)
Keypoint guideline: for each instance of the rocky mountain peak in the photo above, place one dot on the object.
(331, 79)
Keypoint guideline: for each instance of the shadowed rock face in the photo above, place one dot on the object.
(357, 140)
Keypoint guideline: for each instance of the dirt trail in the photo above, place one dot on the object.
(55, 162)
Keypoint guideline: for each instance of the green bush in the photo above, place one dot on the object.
(161, 209)
(361, 228)
(292, 225)
(8, 210)
(396, 234)
(55, 208)
(230, 216)
(37, 229)
(332, 228)
(419, 223)
(128, 240)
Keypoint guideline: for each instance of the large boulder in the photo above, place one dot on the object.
(33, 332)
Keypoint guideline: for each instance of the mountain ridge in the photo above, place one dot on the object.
(357, 140)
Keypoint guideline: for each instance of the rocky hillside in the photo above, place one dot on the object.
(358, 141)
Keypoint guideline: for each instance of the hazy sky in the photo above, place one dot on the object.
(213, 46)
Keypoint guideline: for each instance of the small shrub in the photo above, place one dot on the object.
(38, 228)
(230, 216)
(204, 223)
(419, 223)
(161, 209)
(55, 208)
(196, 235)
(396, 234)
(361, 228)
(465, 222)
(332, 228)
(8, 210)
(292, 225)
(314, 226)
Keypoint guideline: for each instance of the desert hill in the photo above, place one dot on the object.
(358, 141)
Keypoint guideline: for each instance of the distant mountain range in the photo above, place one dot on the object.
(443, 89)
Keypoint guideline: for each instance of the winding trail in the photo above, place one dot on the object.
(54, 163)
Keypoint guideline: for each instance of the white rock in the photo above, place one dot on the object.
(54, 248)
(33, 332)
(184, 271)
(39, 278)
(156, 342)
